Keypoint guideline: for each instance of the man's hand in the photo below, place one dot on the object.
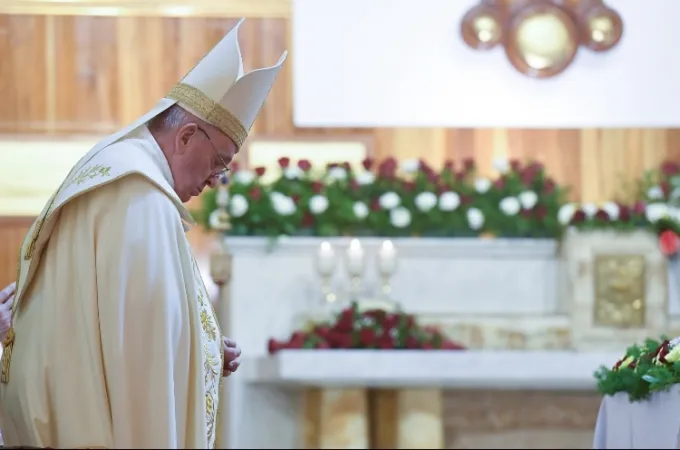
(6, 300)
(231, 357)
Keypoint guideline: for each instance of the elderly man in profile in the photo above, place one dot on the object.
(113, 341)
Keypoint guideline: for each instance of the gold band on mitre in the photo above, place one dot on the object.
(210, 111)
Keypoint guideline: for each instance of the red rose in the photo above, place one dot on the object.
(639, 208)
(549, 186)
(389, 321)
(322, 345)
(670, 168)
(668, 243)
(259, 171)
(515, 165)
(367, 163)
(317, 187)
(540, 212)
(375, 205)
(295, 198)
(388, 168)
(304, 165)
(307, 220)
(255, 193)
(408, 186)
(499, 183)
(284, 162)
(624, 213)
(449, 165)
(274, 346)
(345, 321)
(468, 164)
(450, 345)
(367, 336)
(578, 217)
(412, 342)
(602, 215)
(297, 340)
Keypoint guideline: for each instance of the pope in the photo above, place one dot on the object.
(113, 341)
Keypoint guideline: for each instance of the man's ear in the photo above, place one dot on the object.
(184, 136)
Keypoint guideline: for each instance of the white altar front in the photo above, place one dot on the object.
(508, 300)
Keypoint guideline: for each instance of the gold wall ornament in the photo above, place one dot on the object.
(541, 37)
(620, 286)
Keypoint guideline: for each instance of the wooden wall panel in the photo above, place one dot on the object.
(79, 74)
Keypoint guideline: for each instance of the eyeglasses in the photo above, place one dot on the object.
(222, 174)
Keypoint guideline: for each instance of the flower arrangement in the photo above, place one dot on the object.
(369, 329)
(643, 370)
(388, 199)
(653, 207)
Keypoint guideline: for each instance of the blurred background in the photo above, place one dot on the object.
(574, 102)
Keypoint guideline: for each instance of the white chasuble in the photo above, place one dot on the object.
(115, 343)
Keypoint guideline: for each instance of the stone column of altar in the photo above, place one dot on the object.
(407, 418)
(336, 419)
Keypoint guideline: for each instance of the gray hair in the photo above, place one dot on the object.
(168, 119)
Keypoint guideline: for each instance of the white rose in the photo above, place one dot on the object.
(655, 193)
(410, 166)
(360, 210)
(400, 217)
(222, 198)
(612, 210)
(590, 209)
(425, 201)
(293, 172)
(244, 176)
(238, 205)
(282, 204)
(364, 178)
(475, 218)
(389, 200)
(566, 213)
(482, 185)
(318, 204)
(502, 165)
(528, 199)
(656, 211)
(337, 173)
(449, 201)
(510, 206)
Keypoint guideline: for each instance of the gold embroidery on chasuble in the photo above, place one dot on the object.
(211, 339)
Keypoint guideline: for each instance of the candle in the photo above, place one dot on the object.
(355, 258)
(325, 259)
(387, 258)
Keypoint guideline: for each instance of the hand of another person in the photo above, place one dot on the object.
(6, 300)
(232, 352)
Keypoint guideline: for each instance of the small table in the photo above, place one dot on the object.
(652, 423)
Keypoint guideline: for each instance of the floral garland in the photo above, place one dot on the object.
(389, 199)
(643, 370)
(369, 329)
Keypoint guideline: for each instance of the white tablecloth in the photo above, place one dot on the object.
(653, 424)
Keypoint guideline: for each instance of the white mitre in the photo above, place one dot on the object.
(216, 90)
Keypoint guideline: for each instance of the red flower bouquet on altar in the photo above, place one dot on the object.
(370, 329)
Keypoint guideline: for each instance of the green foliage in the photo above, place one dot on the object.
(641, 371)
